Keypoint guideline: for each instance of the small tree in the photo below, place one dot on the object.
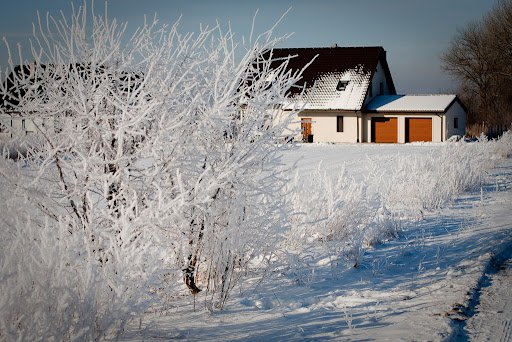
(155, 152)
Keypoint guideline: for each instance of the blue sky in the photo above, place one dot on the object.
(414, 32)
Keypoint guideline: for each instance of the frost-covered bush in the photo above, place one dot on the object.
(501, 148)
(331, 212)
(53, 287)
(337, 215)
(384, 226)
(425, 182)
(156, 156)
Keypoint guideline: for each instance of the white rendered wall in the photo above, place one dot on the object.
(437, 128)
(324, 126)
(455, 111)
(378, 77)
(19, 126)
(293, 126)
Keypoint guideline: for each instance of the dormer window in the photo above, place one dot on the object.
(342, 85)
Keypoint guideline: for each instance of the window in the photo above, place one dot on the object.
(23, 123)
(456, 123)
(381, 88)
(342, 85)
(339, 126)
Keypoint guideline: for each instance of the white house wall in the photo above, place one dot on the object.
(16, 125)
(293, 126)
(455, 111)
(324, 126)
(378, 77)
(437, 127)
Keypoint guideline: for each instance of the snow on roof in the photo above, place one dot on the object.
(328, 66)
(328, 93)
(410, 103)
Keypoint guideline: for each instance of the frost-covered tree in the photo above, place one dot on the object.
(480, 57)
(156, 152)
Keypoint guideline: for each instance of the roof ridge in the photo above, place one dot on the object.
(440, 94)
(329, 47)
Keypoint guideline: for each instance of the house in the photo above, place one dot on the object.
(32, 81)
(14, 89)
(11, 122)
(347, 94)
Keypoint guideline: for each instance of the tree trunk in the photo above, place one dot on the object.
(189, 275)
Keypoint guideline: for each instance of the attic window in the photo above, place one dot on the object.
(342, 85)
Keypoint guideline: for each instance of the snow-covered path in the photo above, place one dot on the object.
(493, 317)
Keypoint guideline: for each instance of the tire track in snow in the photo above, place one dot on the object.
(506, 333)
(489, 309)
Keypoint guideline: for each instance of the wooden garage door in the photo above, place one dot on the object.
(384, 130)
(418, 129)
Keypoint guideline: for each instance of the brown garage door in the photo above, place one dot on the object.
(418, 129)
(384, 130)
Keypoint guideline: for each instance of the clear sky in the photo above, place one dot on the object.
(414, 32)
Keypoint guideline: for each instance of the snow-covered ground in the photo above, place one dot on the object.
(492, 319)
(433, 282)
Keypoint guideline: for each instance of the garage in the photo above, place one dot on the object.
(418, 129)
(431, 118)
(384, 130)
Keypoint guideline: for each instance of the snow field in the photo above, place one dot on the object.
(342, 216)
(412, 287)
(359, 196)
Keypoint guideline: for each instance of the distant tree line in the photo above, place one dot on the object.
(480, 57)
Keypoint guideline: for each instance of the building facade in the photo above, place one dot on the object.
(347, 94)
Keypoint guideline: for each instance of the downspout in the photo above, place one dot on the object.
(443, 133)
(357, 128)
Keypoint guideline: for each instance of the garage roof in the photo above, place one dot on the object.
(411, 103)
